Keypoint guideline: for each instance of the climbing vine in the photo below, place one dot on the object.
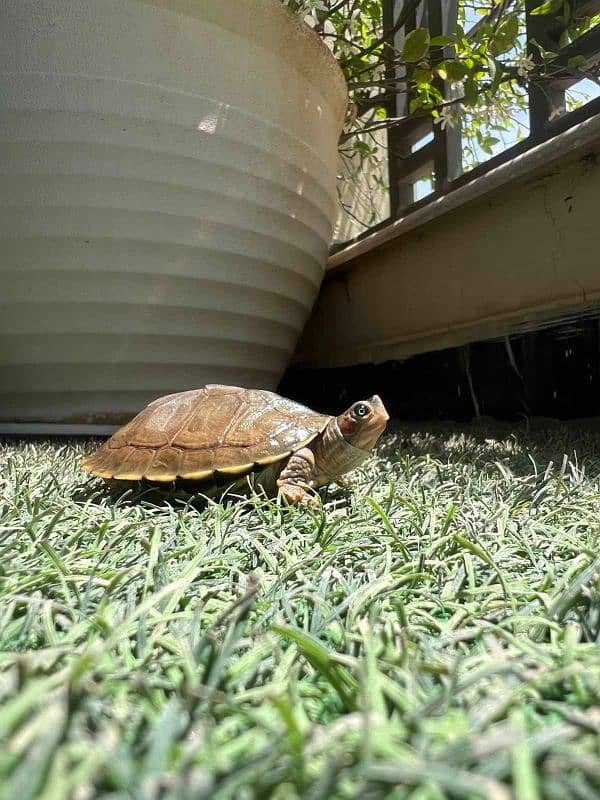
(475, 75)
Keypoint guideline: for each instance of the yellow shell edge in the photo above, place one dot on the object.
(200, 475)
(158, 477)
(242, 469)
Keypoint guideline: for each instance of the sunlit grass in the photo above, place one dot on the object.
(432, 634)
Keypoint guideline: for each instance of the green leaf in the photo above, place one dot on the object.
(422, 76)
(486, 147)
(441, 41)
(524, 773)
(455, 70)
(416, 45)
(577, 62)
(471, 89)
(287, 712)
(387, 524)
(564, 39)
(548, 7)
(363, 148)
(415, 104)
(166, 729)
(320, 659)
(460, 35)
(27, 780)
(545, 54)
(506, 35)
(497, 79)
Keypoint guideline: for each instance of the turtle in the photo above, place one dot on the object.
(219, 435)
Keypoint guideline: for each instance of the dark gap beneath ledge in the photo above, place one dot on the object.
(553, 372)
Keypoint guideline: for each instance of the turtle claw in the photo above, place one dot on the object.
(311, 501)
(295, 495)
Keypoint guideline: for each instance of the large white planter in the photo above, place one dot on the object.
(168, 191)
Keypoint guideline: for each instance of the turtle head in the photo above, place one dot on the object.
(363, 423)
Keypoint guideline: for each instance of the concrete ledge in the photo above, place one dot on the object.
(585, 133)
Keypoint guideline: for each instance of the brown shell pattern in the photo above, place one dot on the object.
(203, 433)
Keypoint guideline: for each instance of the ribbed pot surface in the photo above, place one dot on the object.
(168, 191)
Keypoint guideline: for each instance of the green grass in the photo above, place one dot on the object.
(431, 634)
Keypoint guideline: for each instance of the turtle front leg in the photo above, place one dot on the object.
(296, 478)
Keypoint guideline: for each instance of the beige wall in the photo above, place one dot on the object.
(528, 250)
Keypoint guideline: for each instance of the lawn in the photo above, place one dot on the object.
(431, 633)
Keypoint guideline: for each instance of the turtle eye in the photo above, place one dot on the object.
(361, 410)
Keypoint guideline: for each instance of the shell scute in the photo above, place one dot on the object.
(208, 422)
(165, 465)
(196, 462)
(102, 463)
(155, 425)
(133, 461)
(205, 434)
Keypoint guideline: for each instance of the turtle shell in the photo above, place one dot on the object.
(204, 433)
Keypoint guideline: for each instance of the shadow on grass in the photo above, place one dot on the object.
(182, 495)
(121, 493)
(521, 447)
